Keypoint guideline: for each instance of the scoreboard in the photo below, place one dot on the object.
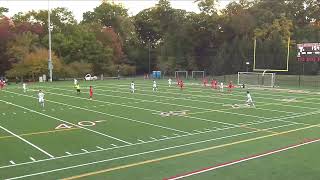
(308, 52)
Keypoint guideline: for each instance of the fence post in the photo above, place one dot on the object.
(299, 80)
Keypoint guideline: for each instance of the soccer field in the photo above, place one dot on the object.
(196, 133)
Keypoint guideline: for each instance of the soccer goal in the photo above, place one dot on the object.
(181, 74)
(257, 79)
(197, 74)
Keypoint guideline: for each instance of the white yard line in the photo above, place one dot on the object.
(214, 97)
(76, 125)
(155, 140)
(157, 96)
(203, 119)
(139, 154)
(191, 117)
(26, 141)
(129, 119)
(140, 143)
(215, 110)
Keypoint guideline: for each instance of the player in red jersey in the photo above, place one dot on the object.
(212, 84)
(91, 92)
(181, 84)
(205, 82)
(230, 86)
(1, 84)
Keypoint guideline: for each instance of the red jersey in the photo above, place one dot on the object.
(214, 84)
(205, 81)
(91, 92)
(181, 84)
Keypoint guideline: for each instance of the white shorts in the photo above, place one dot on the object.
(41, 100)
(249, 101)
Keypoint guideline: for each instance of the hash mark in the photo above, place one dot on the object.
(84, 150)
(32, 159)
(12, 162)
(68, 153)
(113, 145)
(100, 121)
(99, 147)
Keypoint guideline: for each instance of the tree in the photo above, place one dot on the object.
(207, 6)
(108, 15)
(21, 45)
(3, 10)
(35, 64)
(61, 19)
(5, 34)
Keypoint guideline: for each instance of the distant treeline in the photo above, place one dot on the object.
(108, 40)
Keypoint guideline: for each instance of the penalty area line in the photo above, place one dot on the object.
(230, 163)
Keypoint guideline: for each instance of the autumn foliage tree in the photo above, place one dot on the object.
(35, 64)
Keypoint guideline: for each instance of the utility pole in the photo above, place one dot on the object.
(149, 57)
(50, 66)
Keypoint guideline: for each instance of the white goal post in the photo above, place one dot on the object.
(198, 74)
(257, 79)
(181, 74)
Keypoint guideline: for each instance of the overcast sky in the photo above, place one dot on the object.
(81, 6)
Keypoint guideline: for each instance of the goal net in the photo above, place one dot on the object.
(197, 74)
(256, 79)
(181, 74)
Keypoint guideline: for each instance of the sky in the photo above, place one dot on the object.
(78, 7)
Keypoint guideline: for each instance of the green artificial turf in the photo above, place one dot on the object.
(119, 135)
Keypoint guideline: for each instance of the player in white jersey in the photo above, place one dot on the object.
(249, 100)
(41, 98)
(221, 87)
(132, 88)
(170, 82)
(154, 86)
(24, 87)
(75, 81)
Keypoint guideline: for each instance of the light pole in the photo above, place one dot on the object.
(247, 63)
(50, 66)
(149, 56)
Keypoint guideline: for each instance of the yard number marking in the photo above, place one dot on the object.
(81, 123)
(173, 113)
